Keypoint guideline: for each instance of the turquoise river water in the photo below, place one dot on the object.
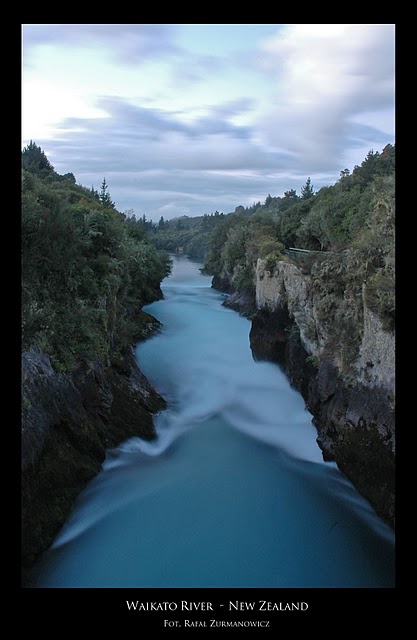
(234, 492)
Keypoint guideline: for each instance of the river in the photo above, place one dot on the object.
(234, 492)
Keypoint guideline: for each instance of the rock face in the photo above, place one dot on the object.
(353, 408)
(68, 422)
(242, 301)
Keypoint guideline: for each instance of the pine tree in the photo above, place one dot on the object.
(104, 197)
(35, 160)
(307, 191)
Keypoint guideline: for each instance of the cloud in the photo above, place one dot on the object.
(325, 75)
(152, 160)
(140, 138)
(129, 43)
(195, 70)
(195, 132)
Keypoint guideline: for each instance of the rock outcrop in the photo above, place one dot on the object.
(240, 300)
(68, 422)
(350, 397)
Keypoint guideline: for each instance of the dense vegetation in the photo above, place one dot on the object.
(86, 268)
(185, 235)
(349, 227)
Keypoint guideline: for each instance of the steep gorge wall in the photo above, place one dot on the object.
(239, 299)
(68, 422)
(352, 406)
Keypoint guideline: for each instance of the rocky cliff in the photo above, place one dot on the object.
(241, 299)
(68, 422)
(341, 357)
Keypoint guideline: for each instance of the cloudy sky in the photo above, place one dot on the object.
(187, 119)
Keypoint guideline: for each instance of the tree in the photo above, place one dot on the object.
(70, 177)
(315, 228)
(205, 223)
(291, 194)
(35, 160)
(307, 191)
(104, 197)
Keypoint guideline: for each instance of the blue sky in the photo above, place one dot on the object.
(187, 119)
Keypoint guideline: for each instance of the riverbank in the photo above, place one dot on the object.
(68, 423)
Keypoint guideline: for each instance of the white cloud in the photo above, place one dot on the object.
(325, 75)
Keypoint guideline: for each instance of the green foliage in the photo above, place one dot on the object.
(307, 190)
(336, 215)
(271, 262)
(185, 235)
(104, 196)
(213, 263)
(289, 222)
(84, 267)
(380, 298)
(35, 160)
(314, 360)
(374, 248)
(244, 278)
(234, 249)
(291, 194)
(350, 228)
(335, 287)
(375, 165)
